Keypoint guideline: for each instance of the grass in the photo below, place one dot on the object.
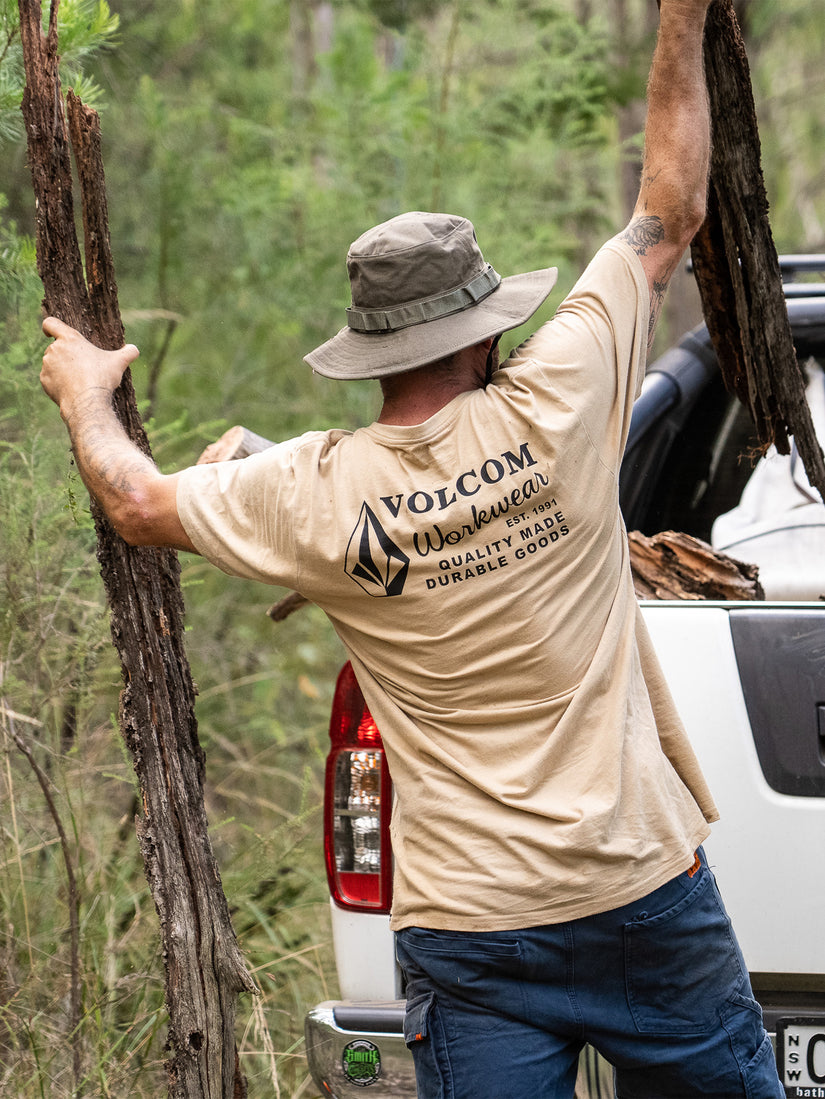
(81, 973)
(81, 976)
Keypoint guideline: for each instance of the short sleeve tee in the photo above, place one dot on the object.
(476, 568)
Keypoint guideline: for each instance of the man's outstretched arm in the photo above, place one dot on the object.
(673, 192)
(139, 501)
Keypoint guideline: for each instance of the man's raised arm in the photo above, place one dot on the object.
(673, 192)
(139, 501)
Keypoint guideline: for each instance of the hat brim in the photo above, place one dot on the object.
(355, 355)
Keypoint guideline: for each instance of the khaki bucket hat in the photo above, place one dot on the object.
(421, 290)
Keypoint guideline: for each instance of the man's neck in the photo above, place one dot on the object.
(412, 398)
(418, 404)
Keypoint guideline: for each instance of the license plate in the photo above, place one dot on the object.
(800, 1056)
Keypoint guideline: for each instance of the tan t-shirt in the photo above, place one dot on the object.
(476, 569)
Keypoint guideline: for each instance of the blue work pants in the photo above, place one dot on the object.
(659, 987)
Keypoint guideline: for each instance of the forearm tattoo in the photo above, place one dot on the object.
(657, 297)
(641, 234)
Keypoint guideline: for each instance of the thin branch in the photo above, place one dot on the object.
(443, 103)
(74, 894)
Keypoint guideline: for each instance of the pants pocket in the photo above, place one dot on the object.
(682, 964)
(752, 1048)
(485, 947)
(760, 1075)
(477, 977)
(425, 1038)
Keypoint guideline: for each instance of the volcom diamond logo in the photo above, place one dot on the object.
(373, 560)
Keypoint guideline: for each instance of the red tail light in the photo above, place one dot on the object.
(357, 802)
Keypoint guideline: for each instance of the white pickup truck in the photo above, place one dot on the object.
(749, 680)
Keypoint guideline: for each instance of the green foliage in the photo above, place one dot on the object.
(18, 276)
(563, 94)
(263, 714)
(84, 28)
(11, 71)
(398, 14)
(791, 122)
(246, 143)
(234, 200)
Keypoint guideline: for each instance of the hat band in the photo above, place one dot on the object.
(427, 309)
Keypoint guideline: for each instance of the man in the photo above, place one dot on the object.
(550, 887)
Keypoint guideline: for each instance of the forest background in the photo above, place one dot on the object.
(246, 143)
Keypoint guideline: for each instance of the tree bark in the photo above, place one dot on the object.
(205, 970)
(736, 265)
(677, 566)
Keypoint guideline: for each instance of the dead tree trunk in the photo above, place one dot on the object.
(205, 970)
(736, 265)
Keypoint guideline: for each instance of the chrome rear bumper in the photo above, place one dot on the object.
(357, 1050)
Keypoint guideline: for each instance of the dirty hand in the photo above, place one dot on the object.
(73, 367)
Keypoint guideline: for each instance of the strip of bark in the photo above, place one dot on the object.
(735, 260)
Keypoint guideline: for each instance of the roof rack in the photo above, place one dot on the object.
(791, 267)
(802, 264)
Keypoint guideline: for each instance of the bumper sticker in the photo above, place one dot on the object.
(361, 1062)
